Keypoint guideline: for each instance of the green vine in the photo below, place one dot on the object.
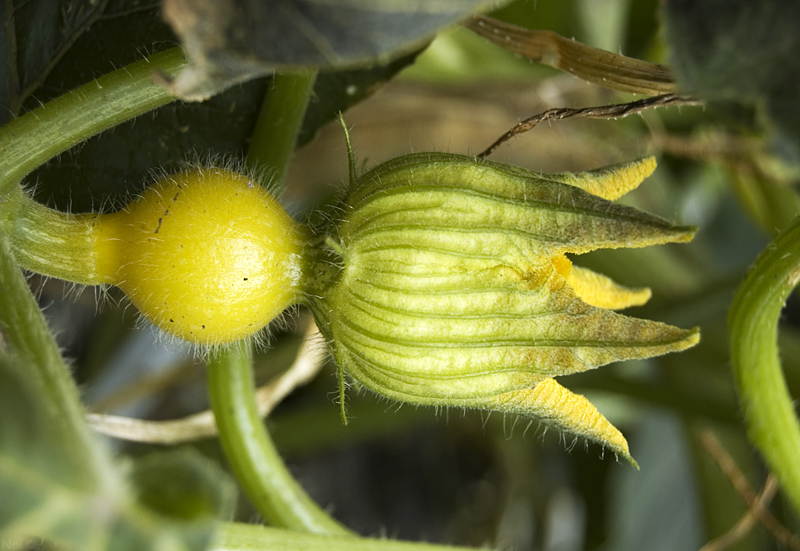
(273, 139)
(36, 137)
(771, 418)
(252, 537)
(28, 142)
(250, 451)
(33, 139)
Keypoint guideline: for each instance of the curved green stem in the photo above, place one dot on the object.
(771, 419)
(50, 242)
(36, 137)
(250, 451)
(279, 122)
(251, 537)
(26, 331)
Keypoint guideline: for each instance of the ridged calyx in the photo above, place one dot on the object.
(451, 286)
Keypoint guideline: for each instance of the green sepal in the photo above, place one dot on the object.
(447, 202)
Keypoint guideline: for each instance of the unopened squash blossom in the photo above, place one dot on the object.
(449, 286)
(445, 282)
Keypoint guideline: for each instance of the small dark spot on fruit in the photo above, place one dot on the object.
(204, 327)
(171, 320)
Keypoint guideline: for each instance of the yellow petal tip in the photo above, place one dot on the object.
(554, 405)
(601, 291)
(612, 182)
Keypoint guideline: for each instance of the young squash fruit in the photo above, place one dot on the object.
(206, 254)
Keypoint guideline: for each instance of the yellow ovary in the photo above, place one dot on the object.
(207, 255)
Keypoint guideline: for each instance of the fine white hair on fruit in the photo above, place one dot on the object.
(206, 253)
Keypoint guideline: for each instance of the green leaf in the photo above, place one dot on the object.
(175, 498)
(84, 42)
(236, 41)
(48, 47)
(184, 486)
(29, 448)
(741, 53)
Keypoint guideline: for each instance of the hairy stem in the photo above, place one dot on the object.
(250, 537)
(250, 451)
(279, 122)
(50, 242)
(769, 413)
(32, 139)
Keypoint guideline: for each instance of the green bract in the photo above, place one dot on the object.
(450, 286)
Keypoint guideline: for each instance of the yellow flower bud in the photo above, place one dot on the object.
(448, 286)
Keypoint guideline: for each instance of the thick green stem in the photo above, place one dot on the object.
(247, 444)
(771, 419)
(279, 122)
(250, 451)
(249, 537)
(36, 137)
(26, 331)
(50, 242)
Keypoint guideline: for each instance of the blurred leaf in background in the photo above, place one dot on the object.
(169, 499)
(741, 55)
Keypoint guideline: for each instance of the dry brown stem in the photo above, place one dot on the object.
(594, 65)
(310, 359)
(756, 503)
(614, 111)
